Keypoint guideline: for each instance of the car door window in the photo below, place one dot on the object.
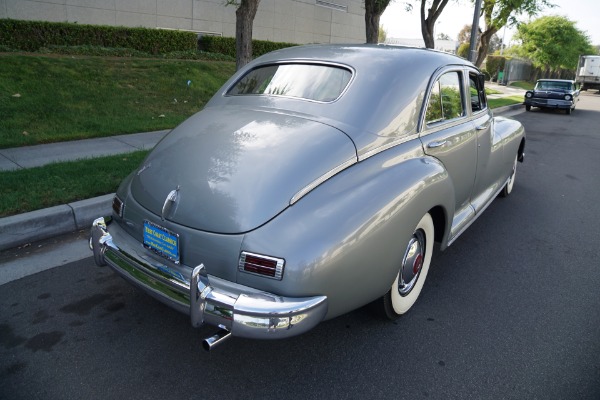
(445, 100)
(477, 93)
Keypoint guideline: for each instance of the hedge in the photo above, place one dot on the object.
(226, 45)
(33, 35)
(494, 64)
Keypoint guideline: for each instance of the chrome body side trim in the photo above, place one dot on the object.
(304, 191)
(240, 310)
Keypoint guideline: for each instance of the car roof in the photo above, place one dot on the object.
(357, 55)
(384, 95)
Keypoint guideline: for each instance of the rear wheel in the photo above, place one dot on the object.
(415, 264)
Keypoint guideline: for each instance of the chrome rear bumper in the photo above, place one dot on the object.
(237, 309)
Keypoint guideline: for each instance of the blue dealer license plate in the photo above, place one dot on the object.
(161, 240)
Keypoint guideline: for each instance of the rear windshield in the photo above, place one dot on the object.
(323, 83)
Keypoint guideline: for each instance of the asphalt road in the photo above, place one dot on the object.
(510, 311)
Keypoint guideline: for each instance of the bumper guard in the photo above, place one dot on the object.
(242, 311)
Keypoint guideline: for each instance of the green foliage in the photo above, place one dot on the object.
(463, 50)
(382, 35)
(123, 52)
(487, 75)
(553, 42)
(495, 64)
(33, 35)
(61, 183)
(58, 98)
(499, 13)
(226, 46)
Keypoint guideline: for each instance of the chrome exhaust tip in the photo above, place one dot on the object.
(209, 343)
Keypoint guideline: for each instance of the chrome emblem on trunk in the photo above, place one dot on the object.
(170, 205)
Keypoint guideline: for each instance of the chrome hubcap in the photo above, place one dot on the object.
(412, 263)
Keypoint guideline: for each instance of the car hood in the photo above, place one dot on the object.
(230, 170)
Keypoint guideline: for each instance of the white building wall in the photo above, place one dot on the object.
(295, 21)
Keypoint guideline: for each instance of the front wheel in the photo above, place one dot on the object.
(528, 108)
(507, 189)
(569, 111)
(415, 264)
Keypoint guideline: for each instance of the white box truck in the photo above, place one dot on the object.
(588, 72)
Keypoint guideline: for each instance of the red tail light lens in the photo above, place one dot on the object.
(270, 267)
(117, 206)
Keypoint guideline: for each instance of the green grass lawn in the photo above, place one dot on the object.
(505, 101)
(49, 98)
(55, 184)
(492, 91)
(523, 85)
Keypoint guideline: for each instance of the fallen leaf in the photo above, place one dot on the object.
(161, 116)
(25, 133)
(16, 95)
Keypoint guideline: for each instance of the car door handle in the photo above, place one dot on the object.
(482, 127)
(435, 145)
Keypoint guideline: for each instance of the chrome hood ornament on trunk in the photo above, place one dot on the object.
(170, 205)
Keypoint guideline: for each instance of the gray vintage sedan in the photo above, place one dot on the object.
(316, 181)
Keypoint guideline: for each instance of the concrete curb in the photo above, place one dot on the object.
(501, 110)
(43, 224)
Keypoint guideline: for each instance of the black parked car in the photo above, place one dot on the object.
(553, 93)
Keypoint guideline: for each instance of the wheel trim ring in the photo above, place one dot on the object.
(412, 263)
(511, 180)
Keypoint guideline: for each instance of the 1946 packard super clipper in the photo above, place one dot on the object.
(314, 182)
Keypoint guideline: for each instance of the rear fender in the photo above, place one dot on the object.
(346, 238)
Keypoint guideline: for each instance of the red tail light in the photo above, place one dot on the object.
(117, 206)
(257, 264)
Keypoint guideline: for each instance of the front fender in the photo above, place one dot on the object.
(347, 237)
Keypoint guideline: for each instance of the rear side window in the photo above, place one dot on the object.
(445, 101)
(323, 83)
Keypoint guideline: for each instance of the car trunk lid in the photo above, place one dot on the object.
(230, 170)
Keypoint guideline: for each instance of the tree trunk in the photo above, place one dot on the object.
(244, 19)
(426, 30)
(428, 23)
(372, 27)
(484, 44)
(373, 11)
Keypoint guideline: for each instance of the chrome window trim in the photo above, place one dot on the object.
(422, 127)
(295, 62)
(468, 72)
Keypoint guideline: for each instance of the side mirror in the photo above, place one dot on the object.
(481, 80)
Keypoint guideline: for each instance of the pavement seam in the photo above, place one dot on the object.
(11, 160)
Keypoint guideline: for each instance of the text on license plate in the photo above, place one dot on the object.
(161, 240)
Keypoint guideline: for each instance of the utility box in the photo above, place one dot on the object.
(588, 72)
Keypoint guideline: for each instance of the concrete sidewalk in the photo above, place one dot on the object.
(505, 91)
(36, 156)
(42, 224)
(37, 225)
